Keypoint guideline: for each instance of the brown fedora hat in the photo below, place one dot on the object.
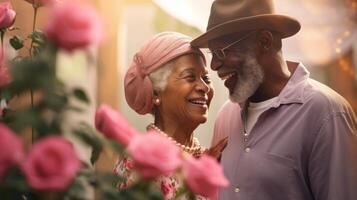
(231, 16)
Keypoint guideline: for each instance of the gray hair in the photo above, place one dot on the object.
(158, 79)
(159, 76)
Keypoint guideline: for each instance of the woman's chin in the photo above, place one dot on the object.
(200, 119)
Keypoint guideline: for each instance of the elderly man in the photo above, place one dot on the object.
(290, 137)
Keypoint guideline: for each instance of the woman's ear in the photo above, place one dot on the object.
(156, 98)
(157, 101)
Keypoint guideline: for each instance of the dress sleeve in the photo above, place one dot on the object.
(332, 167)
(124, 169)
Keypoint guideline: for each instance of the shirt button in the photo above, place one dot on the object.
(236, 189)
(247, 150)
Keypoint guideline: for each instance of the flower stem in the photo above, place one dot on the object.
(33, 26)
(2, 46)
(31, 55)
(32, 129)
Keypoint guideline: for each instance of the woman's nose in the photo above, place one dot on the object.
(203, 86)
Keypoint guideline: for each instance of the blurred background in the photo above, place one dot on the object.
(327, 45)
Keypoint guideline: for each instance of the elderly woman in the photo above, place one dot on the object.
(169, 79)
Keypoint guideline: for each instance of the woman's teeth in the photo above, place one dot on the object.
(200, 102)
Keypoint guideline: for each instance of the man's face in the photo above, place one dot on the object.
(239, 68)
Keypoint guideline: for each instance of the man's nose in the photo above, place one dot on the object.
(216, 63)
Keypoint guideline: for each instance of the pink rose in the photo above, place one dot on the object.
(113, 125)
(7, 15)
(204, 176)
(74, 25)
(51, 164)
(39, 3)
(154, 155)
(11, 150)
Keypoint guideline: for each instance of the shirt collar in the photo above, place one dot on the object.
(293, 92)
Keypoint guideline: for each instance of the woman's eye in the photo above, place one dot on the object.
(207, 79)
(190, 78)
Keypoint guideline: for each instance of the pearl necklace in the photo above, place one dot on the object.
(195, 149)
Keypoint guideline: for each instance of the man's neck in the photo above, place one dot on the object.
(274, 82)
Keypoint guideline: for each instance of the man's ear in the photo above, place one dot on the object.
(265, 40)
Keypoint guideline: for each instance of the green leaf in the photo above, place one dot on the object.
(191, 196)
(75, 108)
(36, 50)
(92, 140)
(25, 118)
(108, 179)
(13, 185)
(56, 102)
(81, 95)
(181, 192)
(76, 191)
(38, 42)
(142, 190)
(110, 195)
(16, 42)
(116, 146)
(95, 154)
(87, 172)
(38, 37)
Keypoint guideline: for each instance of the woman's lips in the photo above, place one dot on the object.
(201, 102)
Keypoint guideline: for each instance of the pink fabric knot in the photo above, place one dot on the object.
(139, 65)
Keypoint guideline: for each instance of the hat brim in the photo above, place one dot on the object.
(287, 26)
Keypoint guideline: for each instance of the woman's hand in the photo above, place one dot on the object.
(216, 151)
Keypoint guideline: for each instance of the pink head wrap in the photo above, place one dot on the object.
(159, 50)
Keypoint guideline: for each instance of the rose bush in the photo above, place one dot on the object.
(52, 164)
(154, 155)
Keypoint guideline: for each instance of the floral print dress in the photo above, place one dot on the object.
(169, 185)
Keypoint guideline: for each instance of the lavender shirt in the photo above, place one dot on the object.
(304, 147)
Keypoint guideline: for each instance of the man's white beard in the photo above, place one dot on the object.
(249, 77)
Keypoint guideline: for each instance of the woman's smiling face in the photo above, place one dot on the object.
(188, 92)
